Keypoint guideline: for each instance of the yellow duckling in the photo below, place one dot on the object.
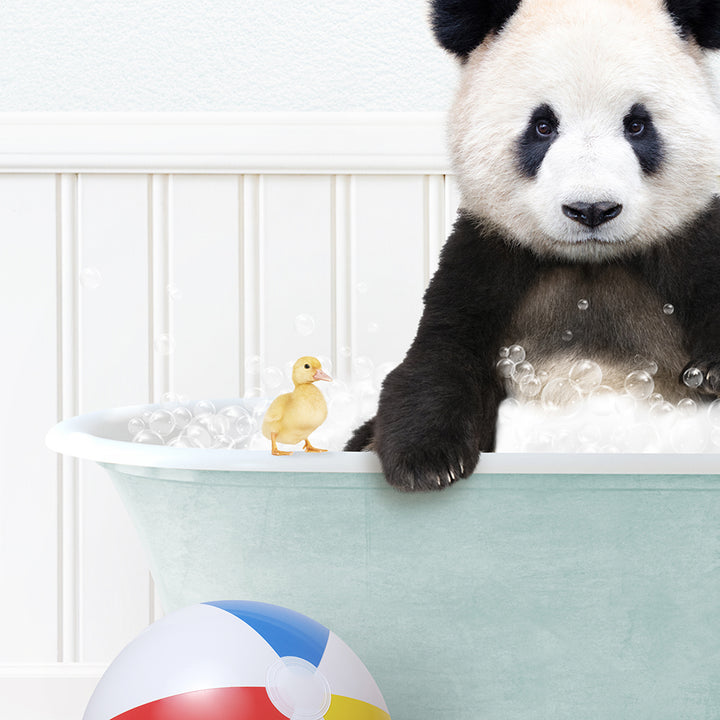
(292, 416)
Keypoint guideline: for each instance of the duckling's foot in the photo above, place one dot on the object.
(275, 450)
(309, 448)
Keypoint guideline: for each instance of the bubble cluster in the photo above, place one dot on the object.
(581, 412)
(198, 425)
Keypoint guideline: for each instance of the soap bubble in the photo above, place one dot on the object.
(668, 309)
(655, 398)
(216, 424)
(639, 384)
(174, 292)
(135, 425)
(641, 437)
(589, 434)
(530, 386)
(662, 410)
(90, 278)
(521, 370)
(148, 437)
(503, 352)
(183, 416)
(169, 398)
(585, 375)
(373, 327)
(198, 436)
(362, 288)
(505, 367)
(304, 324)
(560, 396)
(362, 368)
(516, 353)
(693, 377)
(164, 344)
(583, 304)
(162, 422)
(253, 364)
(345, 351)
(566, 336)
(687, 408)
(203, 407)
(272, 377)
(538, 441)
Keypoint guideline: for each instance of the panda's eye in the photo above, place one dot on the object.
(635, 127)
(544, 129)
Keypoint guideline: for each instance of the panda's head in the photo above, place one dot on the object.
(584, 129)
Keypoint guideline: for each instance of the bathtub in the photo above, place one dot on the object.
(544, 586)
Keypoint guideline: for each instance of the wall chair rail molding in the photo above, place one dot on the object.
(378, 143)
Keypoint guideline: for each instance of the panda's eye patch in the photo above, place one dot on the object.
(644, 138)
(540, 132)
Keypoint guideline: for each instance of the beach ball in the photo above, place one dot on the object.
(236, 660)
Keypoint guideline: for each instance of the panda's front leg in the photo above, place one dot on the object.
(437, 411)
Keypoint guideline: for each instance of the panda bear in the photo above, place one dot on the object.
(585, 139)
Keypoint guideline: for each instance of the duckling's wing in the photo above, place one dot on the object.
(274, 414)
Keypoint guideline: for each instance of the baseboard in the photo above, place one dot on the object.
(223, 142)
(47, 692)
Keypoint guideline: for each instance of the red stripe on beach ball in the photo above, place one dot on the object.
(233, 703)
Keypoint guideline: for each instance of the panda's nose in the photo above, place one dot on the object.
(592, 214)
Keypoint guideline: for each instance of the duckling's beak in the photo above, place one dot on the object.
(320, 375)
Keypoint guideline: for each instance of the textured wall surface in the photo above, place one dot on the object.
(224, 55)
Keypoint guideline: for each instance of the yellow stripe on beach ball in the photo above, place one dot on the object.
(345, 708)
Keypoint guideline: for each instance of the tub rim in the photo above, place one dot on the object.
(85, 436)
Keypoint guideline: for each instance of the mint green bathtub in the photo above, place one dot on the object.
(563, 587)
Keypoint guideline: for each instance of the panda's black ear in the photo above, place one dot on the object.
(699, 19)
(461, 25)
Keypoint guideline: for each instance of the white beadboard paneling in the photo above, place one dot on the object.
(205, 270)
(296, 272)
(28, 372)
(251, 221)
(114, 370)
(389, 260)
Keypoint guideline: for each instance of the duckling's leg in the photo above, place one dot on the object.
(275, 450)
(309, 448)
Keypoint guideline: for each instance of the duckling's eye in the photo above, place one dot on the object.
(307, 366)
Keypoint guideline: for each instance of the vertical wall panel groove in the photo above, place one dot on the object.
(251, 312)
(159, 321)
(341, 267)
(68, 371)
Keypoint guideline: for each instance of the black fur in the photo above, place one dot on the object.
(461, 25)
(533, 144)
(698, 18)
(438, 408)
(646, 144)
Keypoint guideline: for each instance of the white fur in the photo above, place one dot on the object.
(591, 61)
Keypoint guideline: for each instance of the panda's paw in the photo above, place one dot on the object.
(423, 468)
(709, 383)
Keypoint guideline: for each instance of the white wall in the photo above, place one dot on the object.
(220, 55)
